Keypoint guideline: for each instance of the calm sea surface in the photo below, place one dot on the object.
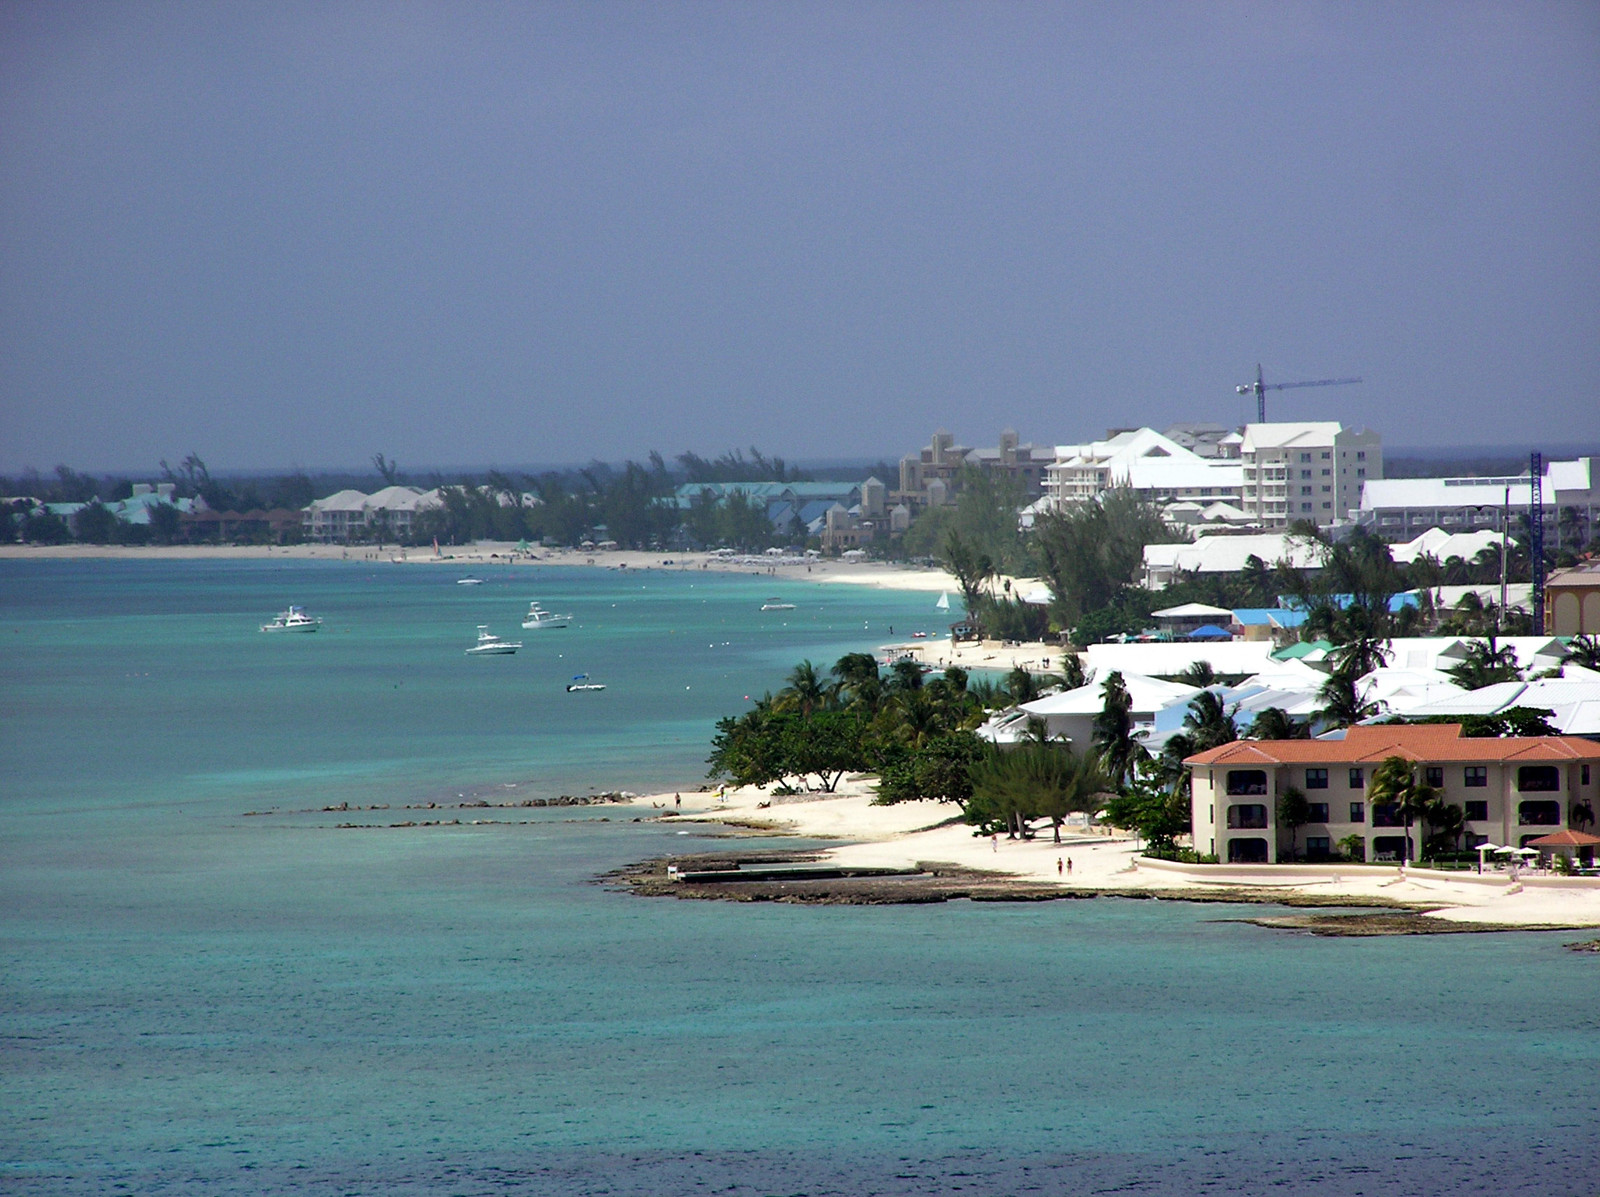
(197, 1000)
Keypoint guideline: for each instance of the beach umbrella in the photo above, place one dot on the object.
(1486, 846)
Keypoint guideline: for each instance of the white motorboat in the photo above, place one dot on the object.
(538, 617)
(773, 604)
(294, 619)
(581, 682)
(490, 645)
(469, 581)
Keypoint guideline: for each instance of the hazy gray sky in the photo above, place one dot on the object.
(456, 233)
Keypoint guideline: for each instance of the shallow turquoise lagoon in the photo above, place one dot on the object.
(196, 1000)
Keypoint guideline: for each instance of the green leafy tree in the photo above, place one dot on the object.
(1208, 723)
(1294, 812)
(939, 770)
(1394, 784)
(1272, 723)
(94, 524)
(1091, 552)
(1584, 650)
(1156, 813)
(1114, 735)
(1486, 663)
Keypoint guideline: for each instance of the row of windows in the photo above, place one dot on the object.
(1531, 779)
(1529, 814)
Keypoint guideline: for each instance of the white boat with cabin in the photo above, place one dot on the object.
(538, 617)
(775, 604)
(581, 682)
(294, 619)
(490, 645)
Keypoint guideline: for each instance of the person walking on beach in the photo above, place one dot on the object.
(677, 801)
(1069, 864)
(994, 843)
(1058, 866)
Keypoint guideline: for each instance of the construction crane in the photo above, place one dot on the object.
(1259, 389)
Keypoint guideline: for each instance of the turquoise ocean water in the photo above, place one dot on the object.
(197, 1000)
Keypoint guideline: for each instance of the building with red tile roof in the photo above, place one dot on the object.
(1511, 789)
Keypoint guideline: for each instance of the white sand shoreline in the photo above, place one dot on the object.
(903, 835)
(484, 555)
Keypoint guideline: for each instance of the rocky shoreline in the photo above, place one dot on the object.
(809, 878)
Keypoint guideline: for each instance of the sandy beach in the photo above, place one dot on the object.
(1105, 861)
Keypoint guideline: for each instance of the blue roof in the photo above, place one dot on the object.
(1210, 632)
(1280, 617)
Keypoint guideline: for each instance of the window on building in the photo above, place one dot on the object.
(1358, 779)
(1361, 455)
(1584, 780)
(1476, 811)
(1433, 775)
(1326, 454)
(1539, 814)
(1318, 812)
(1305, 490)
(1317, 847)
(1327, 490)
(1387, 814)
(1316, 779)
(1327, 506)
(1305, 457)
(1538, 778)
(1305, 507)
(1362, 472)
(1327, 473)
(1246, 781)
(1252, 850)
(1247, 814)
(1358, 812)
(1477, 776)
(1388, 847)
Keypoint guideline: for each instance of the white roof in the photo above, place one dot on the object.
(1168, 660)
(1148, 694)
(1442, 545)
(1280, 435)
(1559, 477)
(1402, 691)
(1228, 554)
(1188, 609)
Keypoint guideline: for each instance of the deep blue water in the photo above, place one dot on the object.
(197, 1000)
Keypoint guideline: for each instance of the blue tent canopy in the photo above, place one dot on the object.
(1210, 632)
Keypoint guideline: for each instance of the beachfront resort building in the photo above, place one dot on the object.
(1307, 471)
(1510, 789)
(350, 514)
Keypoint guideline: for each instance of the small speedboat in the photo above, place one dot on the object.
(490, 645)
(294, 619)
(581, 682)
(469, 581)
(538, 617)
(773, 604)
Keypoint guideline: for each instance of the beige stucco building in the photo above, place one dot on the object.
(1512, 789)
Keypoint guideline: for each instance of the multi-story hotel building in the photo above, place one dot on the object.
(1306, 471)
(1511, 789)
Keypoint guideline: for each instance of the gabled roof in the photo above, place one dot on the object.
(1188, 609)
(1415, 742)
(1146, 694)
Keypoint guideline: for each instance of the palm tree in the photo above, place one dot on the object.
(1199, 674)
(1273, 723)
(805, 692)
(1485, 665)
(1395, 784)
(1114, 736)
(1341, 702)
(856, 681)
(1208, 721)
(1585, 651)
(1072, 675)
